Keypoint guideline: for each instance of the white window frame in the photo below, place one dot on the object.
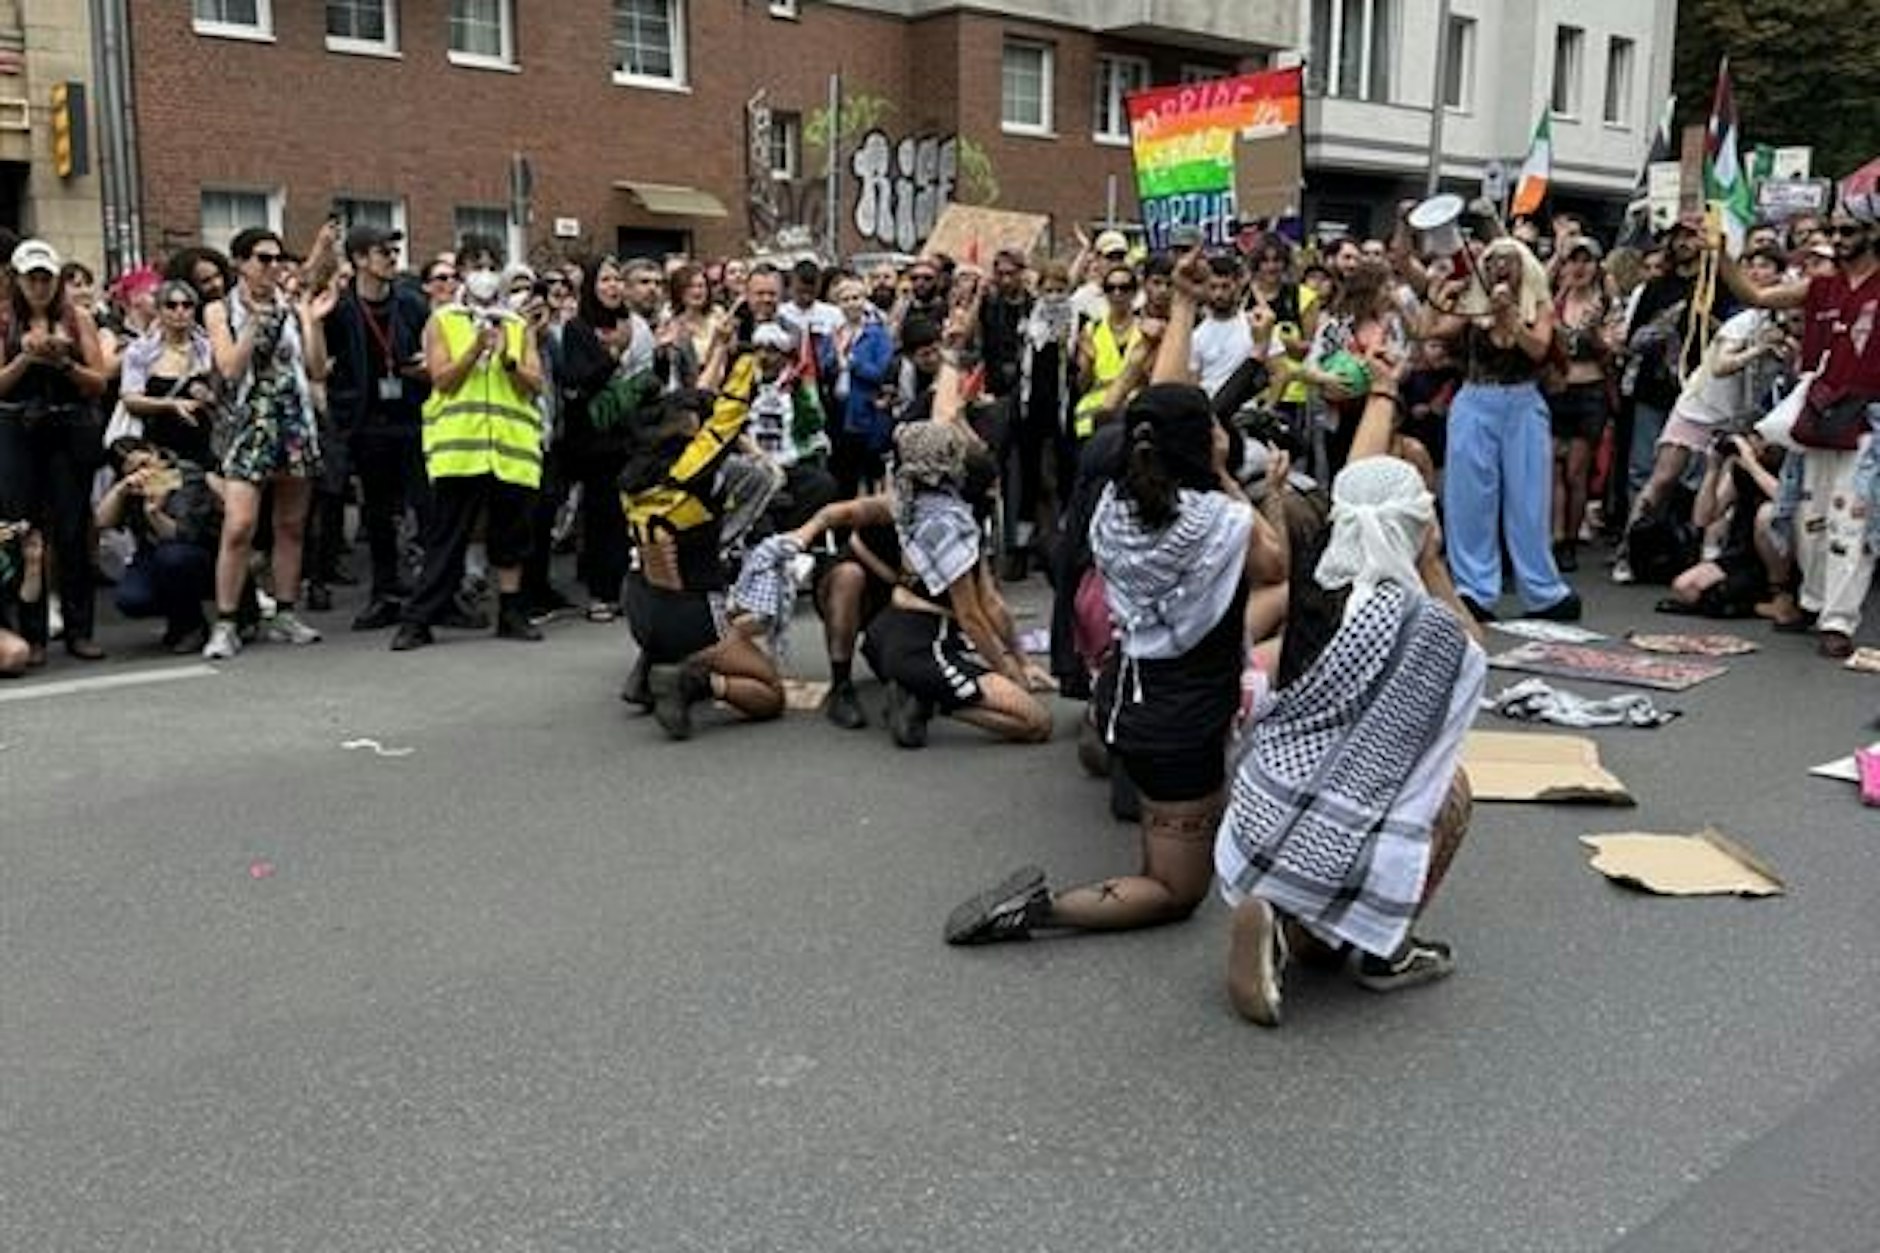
(1192, 73)
(262, 31)
(1572, 38)
(681, 79)
(386, 47)
(506, 16)
(275, 213)
(458, 231)
(1047, 109)
(1462, 54)
(397, 204)
(1335, 48)
(1614, 43)
(1108, 95)
(789, 126)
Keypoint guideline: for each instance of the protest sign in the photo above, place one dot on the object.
(1183, 140)
(974, 235)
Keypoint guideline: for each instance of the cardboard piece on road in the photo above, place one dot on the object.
(1706, 864)
(1600, 665)
(1509, 766)
(973, 235)
(804, 695)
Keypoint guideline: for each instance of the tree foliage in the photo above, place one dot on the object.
(1804, 71)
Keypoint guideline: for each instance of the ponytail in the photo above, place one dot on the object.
(1146, 482)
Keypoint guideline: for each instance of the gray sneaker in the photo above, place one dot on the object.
(287, 628)
(1417, 963)
(223, 643)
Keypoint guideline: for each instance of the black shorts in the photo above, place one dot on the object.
(669, 626)
(926, 654)
(1579, 412)
(1174, 777)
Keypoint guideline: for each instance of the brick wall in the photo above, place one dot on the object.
(290, 114)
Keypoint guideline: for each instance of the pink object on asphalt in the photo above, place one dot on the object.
(1867, 761)
(260, 870)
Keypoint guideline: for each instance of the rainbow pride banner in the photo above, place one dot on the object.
(1183, 142)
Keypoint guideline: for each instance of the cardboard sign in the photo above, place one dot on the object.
(973, 236)
(1664, 193)
(1268, 175)
(1509, 766)
(1706, 864)
(1780, 199)
(1183, 141)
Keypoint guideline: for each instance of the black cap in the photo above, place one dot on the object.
(365, 237)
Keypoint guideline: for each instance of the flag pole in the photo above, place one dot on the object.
(1433, 177)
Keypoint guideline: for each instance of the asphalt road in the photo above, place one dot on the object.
(548, 982)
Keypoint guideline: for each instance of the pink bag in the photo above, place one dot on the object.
(1092, 632)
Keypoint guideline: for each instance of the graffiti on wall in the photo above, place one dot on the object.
(780, 213)
(901, 187)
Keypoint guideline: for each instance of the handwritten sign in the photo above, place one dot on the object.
(1183, 140)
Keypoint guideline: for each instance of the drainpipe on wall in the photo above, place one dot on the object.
(119, 170)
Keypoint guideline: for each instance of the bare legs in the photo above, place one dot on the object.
(241, 507)
(1177, 869)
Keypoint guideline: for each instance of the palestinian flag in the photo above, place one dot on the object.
(1536, 171)
(1726, 182)
(1638, 211)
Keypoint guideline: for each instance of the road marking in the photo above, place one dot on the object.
(105, 682)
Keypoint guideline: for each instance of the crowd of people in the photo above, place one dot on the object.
(1274, 490)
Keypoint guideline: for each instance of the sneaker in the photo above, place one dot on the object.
(1420, 961)
(638, 690)
(1622, 572)
(907, 717)
(318, 598)
(188, 642)
(1006, 912)
(378, 615)
(1567, 556)
(843, 708)
(1256, 962)
(512, 623)
(675, 690)
(412, 635)
(1566, 609)
(223, 643)
(287, 628)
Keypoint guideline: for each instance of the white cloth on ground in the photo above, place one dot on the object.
(1535, 700)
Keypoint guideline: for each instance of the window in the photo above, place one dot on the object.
(225, 212)
(1459, 70)
(1025, 88)
(786, 146)
(1353, 48)
(237, 19)
(364, 211)
(1619, 58)
(481, 32)
(361, 26)
(1116, 78)
(649, 42)
(1569, 43)
(483, 220)
(1202, 73)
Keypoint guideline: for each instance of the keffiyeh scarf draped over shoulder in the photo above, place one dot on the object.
(1168, 588)
(1315, 821)
(939, 539)
(766, 588)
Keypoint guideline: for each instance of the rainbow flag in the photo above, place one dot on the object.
(1182, 139)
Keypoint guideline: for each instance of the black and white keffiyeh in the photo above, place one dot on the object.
(1315, 822)
(1167, 588)
(939, 539)
(766, 588)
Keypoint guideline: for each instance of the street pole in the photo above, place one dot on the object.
(1433, 180)
(833, 192)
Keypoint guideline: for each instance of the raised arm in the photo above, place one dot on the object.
(1173, 362)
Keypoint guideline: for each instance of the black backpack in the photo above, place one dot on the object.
(1663, 542)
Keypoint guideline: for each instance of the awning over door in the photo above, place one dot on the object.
(671, 200)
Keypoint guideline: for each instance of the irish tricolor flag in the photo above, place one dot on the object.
(1726, 183)
(1536, 171)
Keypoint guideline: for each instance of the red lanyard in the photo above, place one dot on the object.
(381, 335)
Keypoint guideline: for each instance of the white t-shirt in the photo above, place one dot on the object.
(1219, 346)
(820, 319)
(1731, 399)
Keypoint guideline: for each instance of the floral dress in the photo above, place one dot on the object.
(269, 431)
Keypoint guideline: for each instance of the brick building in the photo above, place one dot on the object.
(633, 116)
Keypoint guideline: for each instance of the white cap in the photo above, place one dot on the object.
(1111, 242)
(35, 255)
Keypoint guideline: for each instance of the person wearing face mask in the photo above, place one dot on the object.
(856, 357)
(482, 451)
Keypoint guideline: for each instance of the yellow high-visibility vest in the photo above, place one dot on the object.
(1106, 367)
(489, 425)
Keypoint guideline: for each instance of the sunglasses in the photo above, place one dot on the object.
(1119, 289)
(442, 276)
(1847, 230)
(179, 304)
(267, 258)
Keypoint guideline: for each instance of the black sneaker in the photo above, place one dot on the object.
(1566, 609)
(1007, 912)
(378, 615)
(512, 623)
(843, 708)
(1567, 556)
(1419, 962)
(319, 598)
(907, 717)
(1256, 962)
(412, 635)
(675, 690)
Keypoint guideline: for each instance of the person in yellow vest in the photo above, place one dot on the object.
(1103, 347)
(482, 452)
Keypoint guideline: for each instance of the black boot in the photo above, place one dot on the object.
(512, 620)
(675, 690)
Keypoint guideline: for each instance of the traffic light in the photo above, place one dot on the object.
(71, 138)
